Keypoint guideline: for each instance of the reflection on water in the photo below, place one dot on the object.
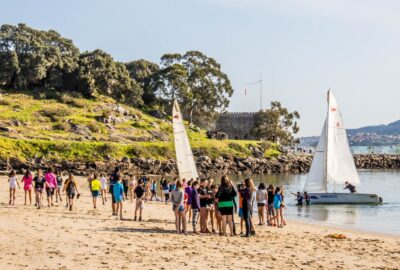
(380, 218)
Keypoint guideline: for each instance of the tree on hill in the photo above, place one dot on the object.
(197, 82)
(31, 57)
(98, 73)
(276, 124)
(145, 73)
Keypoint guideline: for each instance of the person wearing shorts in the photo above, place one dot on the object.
(177, 199)
(51, 185)
(114, 178)
(95, 186)
(140, 195)
(261, 197)
(27, 179)
(71, 187)
(59, 185)
(39, 181)
(224, 197)
(103, 182)
(118, 197)
(13, 183)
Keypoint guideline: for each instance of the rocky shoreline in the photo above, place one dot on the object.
(206, 166)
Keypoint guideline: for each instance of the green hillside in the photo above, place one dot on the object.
(61, 126)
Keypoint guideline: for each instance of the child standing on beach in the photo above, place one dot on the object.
(13, 183)
(39, 186)
(103, 183)
(247, 196)
(140, 194)
(95, 186)
(27, 179)
(177, 199)
(165, 190)
(70, 187)
(118, 193)
(132, 185)
(195, 200)
(59, 185)
(153, 189)
(188, 196)
(262, 198)
(51, 184)
(225, 197)
(270, 208)
(277, 205)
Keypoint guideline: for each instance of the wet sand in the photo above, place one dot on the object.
(85, 238)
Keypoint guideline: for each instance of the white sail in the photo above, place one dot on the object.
(333, 161)
(184, 156)
(316, 177)
(340, 165)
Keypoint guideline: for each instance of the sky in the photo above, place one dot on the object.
(301, 48)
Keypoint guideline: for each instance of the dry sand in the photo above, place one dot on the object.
(55, 238)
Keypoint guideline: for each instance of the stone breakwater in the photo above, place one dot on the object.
(206, 166)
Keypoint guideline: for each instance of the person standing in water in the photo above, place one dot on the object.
(27, 179)
(350, 187)
(13, 183)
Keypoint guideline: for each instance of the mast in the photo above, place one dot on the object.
(326, 146)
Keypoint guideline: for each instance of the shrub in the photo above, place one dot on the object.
(5, 102)
(93, 127)
(55, 114)
(62, 126)
(79, 103)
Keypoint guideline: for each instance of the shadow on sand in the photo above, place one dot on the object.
(139, 230)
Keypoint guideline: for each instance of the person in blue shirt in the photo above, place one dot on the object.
(278, 203)
(118, 193)
(153, 189)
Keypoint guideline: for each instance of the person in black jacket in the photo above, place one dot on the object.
(225, 197)
(247, 196)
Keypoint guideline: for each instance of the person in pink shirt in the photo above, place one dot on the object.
(27, 180)
(51, 185)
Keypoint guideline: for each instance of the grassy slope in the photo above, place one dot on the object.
(44, 129)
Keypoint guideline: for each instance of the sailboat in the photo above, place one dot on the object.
(333, 164)
(184, 155)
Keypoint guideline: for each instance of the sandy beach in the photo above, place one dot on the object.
(55, 238)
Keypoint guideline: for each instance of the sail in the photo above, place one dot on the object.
(340, 165)
(184, 156)
(316, 177)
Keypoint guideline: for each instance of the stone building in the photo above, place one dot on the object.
(236, 124)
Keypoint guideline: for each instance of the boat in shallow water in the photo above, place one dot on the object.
(333, 164)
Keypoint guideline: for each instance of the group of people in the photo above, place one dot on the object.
(200, 202)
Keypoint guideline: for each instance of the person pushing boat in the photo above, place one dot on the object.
(350, 187)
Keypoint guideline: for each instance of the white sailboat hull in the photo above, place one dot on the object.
(344, 198)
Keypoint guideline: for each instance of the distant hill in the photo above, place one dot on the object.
(390, 129)
(369, 135)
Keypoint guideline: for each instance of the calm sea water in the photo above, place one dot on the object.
(384, 218)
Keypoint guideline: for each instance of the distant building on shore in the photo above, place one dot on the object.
(237, 125)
